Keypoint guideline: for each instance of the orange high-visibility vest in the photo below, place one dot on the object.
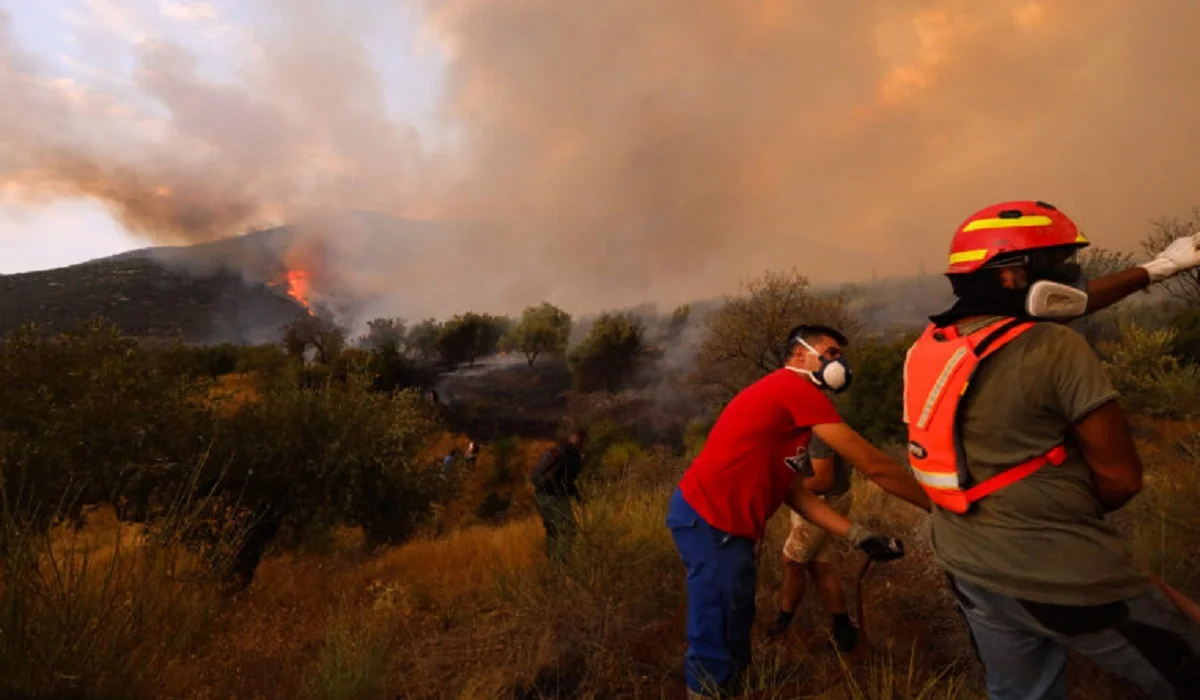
(937, 372)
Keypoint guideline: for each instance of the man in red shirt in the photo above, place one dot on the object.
(747, 469)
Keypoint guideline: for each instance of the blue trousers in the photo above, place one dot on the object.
(720, 599)
(1024, 645)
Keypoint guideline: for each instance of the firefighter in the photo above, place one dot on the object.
(746, 470)
(1016, 435)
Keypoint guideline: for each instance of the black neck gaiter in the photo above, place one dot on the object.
(995, 302)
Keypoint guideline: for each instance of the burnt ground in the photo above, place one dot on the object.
(504, 397)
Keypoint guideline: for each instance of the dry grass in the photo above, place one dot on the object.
(98, 613)
(479, 613)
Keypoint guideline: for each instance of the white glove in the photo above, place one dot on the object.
(1182, 254)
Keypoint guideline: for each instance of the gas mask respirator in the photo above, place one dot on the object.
(833, 376)
(1060, 290)
(1055, 301)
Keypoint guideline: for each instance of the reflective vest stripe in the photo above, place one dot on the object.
(907, 359)
(936, 480)
(936, 392)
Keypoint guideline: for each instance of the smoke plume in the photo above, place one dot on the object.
(606, 153)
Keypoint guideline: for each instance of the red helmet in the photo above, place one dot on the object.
(1009, 227)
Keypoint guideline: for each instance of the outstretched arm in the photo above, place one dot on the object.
(890, 475)
(1109, 289)
(1182, 255)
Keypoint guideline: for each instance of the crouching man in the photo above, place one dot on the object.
(747, 469)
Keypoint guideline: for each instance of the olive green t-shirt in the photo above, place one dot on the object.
(817, 449)
(1043, 538)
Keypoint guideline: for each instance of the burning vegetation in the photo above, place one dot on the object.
(297, 283)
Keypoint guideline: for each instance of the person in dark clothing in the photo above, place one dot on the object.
(553, 481)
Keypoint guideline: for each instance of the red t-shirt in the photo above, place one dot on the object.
(743, 475)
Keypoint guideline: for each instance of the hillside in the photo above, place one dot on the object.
(149, 300)
(235, 289)
(231, 290)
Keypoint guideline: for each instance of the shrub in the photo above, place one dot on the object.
(493, 507)
(874, 403)
(87, 412)
(267, 362)
(1164, 516)
(608, 357)
(356, 653)
(501, 472)
(1186, 343)
(304, 458)
(1151, 379)
(203, 361)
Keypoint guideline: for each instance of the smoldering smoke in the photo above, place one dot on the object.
(610, 153)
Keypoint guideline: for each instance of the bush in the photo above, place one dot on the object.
(1186, 343)
(88, 413)
(1164, 515)
(493, 507)
(305, 459)
(503, 451)
(608, 357)
(268, 362)
(1152, 380)
(203, 361)
(355, 655)
(874, 404)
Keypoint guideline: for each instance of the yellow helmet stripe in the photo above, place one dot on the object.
(1024, 221)
(968, 256)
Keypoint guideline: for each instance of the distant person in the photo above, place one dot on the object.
(553, 481)
(1016, 434)
(472, 452)
(746, 470)
(809, 551)
(449, 460)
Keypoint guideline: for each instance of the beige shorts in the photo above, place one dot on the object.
(807, 542)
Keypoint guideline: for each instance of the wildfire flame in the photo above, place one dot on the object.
(298, 287)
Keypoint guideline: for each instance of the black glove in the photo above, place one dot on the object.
(882, 548)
